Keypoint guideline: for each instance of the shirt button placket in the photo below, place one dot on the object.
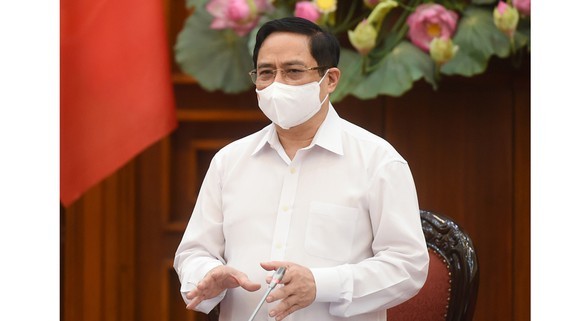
(285, 212)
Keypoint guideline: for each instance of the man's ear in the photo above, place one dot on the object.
(333, 78)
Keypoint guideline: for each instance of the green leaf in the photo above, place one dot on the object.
(521, 40)
(196, 3)
(281, 10)
(397, 72)
(484, 1)
(350, 65)
(218, 59)
(478, 39)
(522, 35)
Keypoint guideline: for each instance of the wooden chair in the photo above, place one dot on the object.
(450, 291)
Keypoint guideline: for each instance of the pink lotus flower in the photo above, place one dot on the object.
(523, 6)
(430, 21)
(240, 15)
(307, 10)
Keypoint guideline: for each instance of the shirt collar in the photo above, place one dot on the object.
(328, 135)
(268, 137)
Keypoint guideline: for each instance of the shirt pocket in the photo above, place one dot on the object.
(330, 231)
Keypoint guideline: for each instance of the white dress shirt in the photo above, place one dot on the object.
(345, 207)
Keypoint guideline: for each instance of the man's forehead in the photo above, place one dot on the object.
(285, 42)
(293, 62)
(281, 49)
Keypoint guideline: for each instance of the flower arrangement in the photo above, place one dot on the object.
(387, 45)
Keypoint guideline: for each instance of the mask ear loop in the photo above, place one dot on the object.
(326, 72)
(320, 81)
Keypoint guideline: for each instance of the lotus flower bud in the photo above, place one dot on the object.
(506, 18)
(363, 37)
(380, 11)
(442, 50)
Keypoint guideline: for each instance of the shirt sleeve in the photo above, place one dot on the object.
(399, 267)
(202, 245)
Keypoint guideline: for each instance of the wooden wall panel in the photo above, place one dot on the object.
(175, 13)
(368, 114)
(460, 152)
(153, 189)
(99, 252)
(190, 167)
(521, 182)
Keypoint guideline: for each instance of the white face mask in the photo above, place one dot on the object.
(289, 106)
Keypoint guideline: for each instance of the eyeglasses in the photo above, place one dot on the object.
(266, 76)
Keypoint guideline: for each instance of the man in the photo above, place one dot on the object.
(331, 202)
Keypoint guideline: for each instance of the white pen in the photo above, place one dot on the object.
(275, 279)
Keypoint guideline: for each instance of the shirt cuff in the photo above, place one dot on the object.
(189, 284)
(328, 284)
(207, 305)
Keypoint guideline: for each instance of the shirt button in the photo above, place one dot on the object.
(278, 246)
(293, 170)
(285, 208)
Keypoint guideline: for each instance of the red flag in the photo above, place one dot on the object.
(116, 92)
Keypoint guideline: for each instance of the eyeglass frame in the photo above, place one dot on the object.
(274, 72)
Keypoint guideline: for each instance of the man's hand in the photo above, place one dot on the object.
(299, 289)
(217, 280)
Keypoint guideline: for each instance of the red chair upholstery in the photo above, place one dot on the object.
(450, 291)
(432, 301)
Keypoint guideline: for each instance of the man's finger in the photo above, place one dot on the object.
(286, 304)
(193, 303)
(288, 311)
(191, 294)
(273, 265)
(277, 294)
(249, 285)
